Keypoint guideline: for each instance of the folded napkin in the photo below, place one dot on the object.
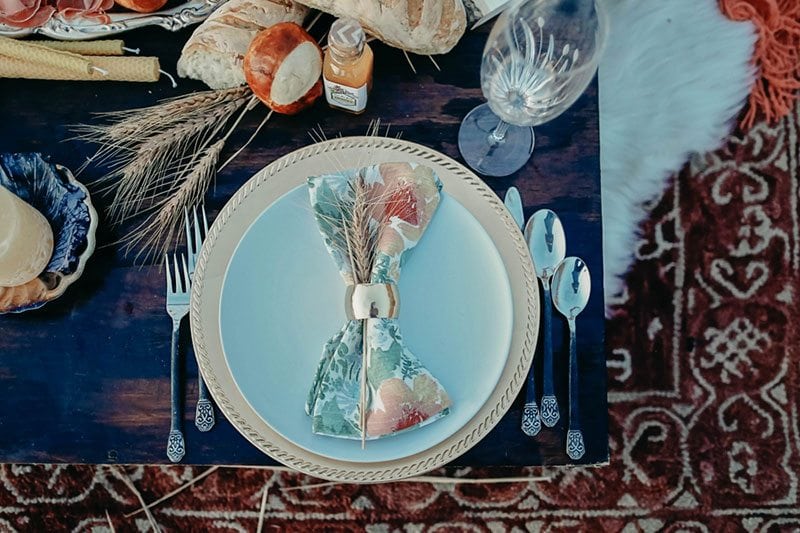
(370, 219)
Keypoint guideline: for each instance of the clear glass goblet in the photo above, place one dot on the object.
(539, 58)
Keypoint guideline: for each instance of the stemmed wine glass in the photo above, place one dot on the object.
(539, 58)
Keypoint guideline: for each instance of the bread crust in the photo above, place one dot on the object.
(264, 57)
(419, 26)
(215, 52)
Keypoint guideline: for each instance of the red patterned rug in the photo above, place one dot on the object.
(704, 373)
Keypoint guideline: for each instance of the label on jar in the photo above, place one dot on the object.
(350, 98)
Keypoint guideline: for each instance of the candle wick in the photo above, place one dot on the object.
(174, 83)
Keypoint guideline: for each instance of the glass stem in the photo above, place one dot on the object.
(499, 133)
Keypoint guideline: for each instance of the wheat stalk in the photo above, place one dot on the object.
(362, 236)
(162, 227)
(126, 124)
(161, 159)
(355, 230)
(362, 231)
(155, 159)
(127, 129)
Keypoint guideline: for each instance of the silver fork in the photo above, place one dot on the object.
(177, 308)
(204, 412)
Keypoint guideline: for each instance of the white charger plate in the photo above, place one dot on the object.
(267, 295)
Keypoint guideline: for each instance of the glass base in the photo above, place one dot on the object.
(490, 158)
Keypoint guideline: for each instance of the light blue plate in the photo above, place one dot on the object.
(282, 298)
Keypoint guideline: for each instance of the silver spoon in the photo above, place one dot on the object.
(571, 288)
(548, 246)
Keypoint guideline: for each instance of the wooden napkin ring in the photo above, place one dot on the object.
(372, 300)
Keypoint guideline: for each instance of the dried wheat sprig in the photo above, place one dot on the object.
(174, 492)
(359, 221)
(162, 199)
(178, 104)
(363, 391)
(408, 60)
(169, 171)
(262, 509)
(123, 476)
(183, 137)
(162, 227)
(355, 230)
(247, 142)
(313, 21)
(343, 231)
(126, 129)
(142, 173)
(184, 130)
(362, 234)
(110, 523)
(127, 121)
(356, 234)
(318, 135)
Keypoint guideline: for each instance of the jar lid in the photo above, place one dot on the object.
(347, 37)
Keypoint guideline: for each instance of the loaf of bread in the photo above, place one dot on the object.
(215, 51)
(420, 26)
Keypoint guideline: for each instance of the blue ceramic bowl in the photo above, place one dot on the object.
(65, 202)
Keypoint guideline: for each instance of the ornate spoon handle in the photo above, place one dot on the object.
(575, 445)
(176, 447)
(550, 413)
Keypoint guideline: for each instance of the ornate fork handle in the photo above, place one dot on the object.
(176, 448)
(204, 412)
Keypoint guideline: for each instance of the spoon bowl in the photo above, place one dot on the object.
(572, 286)
(546, 241)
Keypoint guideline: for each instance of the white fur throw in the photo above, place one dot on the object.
(674, 76)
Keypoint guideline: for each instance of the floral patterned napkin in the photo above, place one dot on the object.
(401, 393)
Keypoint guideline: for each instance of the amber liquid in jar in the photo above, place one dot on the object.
(347, 67)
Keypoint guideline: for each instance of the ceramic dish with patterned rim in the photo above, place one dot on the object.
(65, 203)
(173, 19)
(266, 295)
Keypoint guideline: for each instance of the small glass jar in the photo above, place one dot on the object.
(347, 67)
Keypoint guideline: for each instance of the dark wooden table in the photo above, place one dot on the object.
(86, 378)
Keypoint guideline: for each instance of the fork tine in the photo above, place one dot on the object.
(198, 236)
(169, 278)
(189, 244)
(186, 280)
(192, 245)
(177, 272)
(205, 221)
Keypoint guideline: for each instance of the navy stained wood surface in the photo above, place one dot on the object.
(86, 378)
